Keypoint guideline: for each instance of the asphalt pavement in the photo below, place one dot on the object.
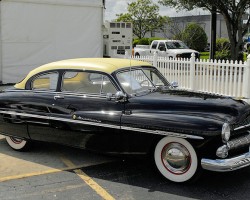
(50, 171)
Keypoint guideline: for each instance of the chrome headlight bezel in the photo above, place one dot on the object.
(225, 132)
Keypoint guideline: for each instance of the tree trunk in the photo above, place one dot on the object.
(234, 30)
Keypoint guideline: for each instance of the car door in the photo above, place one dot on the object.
(162, 50)
(82, 116)
(153, 47)
(42, 89)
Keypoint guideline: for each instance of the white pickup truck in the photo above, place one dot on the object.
(165, 48)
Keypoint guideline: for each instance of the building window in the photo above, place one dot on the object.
(112, 25)
(128, 25)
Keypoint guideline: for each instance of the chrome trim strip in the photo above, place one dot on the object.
(166, 133)
(241, 127)
(224, 165)
(66, 93)
(157, 132)
(24, 114)
(85, 122)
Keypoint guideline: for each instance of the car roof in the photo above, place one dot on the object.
(168, 40)
(107, 65)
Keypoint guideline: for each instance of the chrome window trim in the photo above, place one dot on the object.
(41, 74)
(82, 95)
(111, 79)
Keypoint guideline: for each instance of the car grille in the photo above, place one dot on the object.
(239, 142)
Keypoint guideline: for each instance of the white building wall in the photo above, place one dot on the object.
(38, 32)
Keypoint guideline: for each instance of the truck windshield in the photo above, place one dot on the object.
(139, 81)
(176, 45)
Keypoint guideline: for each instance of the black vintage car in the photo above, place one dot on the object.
(120, 106)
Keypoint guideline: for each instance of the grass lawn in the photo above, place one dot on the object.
(205, 55)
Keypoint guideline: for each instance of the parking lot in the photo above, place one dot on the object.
(52, 171)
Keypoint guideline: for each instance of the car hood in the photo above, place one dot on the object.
(181, 102)
(180, 51)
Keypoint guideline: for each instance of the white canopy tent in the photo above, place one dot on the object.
(35, 32)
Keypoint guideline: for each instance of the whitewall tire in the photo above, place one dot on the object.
(176, 159)
(17, 144)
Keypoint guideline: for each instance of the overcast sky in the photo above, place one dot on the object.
(114, 7)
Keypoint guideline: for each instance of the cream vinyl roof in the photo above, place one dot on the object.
(107, 65)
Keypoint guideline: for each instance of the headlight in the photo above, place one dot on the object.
(225, 133)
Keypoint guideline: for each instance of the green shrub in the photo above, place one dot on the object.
(223, 55)
(155, 38)
(144, 41)
(135, 42)
(194, 37)
(222, 44)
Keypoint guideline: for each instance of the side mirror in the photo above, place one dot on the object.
(118, 96)
(174, 84)
(109, 96)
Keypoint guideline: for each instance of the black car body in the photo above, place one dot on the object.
(119, 106)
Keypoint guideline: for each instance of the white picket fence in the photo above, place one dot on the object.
(220, 77)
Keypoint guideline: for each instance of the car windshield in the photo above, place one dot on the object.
(176, 45)
(140, 81)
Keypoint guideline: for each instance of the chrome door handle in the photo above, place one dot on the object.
(58, 97)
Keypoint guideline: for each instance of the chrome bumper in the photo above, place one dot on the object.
(224, 165)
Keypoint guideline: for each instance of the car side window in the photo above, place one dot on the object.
(161, 46)
(154, 45)
(45, 82)
(87, 82)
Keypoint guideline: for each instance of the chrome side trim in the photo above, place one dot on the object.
(24, 114)
(166, 133)
(241, 127)
(157, 132)
(224, 165)
(85, 122)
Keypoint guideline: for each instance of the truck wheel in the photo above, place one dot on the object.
(137, 55)
(17, 144)
(176, 159)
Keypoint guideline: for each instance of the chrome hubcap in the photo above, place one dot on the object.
(176, 158)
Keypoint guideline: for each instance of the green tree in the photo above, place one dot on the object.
(144, 15)
(194, 36)
(231, 10)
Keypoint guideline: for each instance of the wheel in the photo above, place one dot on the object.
(137, 55)
(176, 159)
(17, 144)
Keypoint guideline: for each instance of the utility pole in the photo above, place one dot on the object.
(213, 33)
